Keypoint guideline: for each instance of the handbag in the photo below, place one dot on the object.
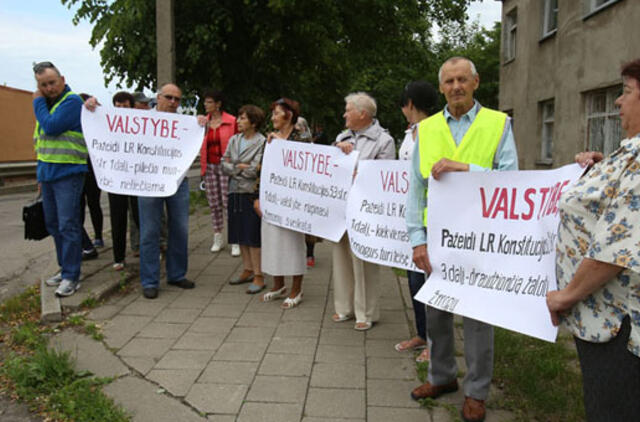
(33, 217)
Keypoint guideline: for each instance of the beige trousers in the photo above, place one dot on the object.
(356, 288)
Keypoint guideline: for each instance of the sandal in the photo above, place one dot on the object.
(414, 343)
(340, 318)
(256, 288)
(245, 277)
(363, 326)
(290, 303)
(424, 356)
(275, 294)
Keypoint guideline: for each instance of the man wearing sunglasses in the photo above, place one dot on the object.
(150, 212)
(62, 163)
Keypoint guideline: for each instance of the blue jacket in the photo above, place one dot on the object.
(66, 117)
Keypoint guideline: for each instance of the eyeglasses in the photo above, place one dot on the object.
(39, 67)
(172, 98)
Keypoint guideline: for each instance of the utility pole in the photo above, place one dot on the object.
(165, 42)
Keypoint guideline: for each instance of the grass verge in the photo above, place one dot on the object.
(539, 380)
(43, 378)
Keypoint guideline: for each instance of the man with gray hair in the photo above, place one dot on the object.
(356, 288)
(480, 139)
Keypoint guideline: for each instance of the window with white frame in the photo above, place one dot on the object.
(510, 35)
(549, 17)
(547, 111)
(604, 131)
(592, 6)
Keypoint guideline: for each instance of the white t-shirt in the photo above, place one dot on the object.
(406, 149)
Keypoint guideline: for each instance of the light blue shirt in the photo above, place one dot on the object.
(506, 158)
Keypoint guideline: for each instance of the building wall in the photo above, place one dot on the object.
(583, 55)
(16, 125)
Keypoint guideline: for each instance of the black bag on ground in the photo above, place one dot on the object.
(33, 217)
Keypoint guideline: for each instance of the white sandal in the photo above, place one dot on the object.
(290, 303)
(277, 294)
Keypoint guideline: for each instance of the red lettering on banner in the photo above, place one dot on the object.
(313, 162)
(134, 125)
(395, 181)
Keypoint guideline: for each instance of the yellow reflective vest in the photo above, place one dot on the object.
(66, 148)
(478, 146)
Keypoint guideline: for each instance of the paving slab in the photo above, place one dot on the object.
(89, 354)
(211, 325)
(176, 381)
(199, 341)
(163, 330)
(293, 345)
(287, 365)
(251, 334)
(217, 398)
(391, 393)
(122, 328)
(386, 414)
(335, 403)
(336, 353)
(222, 372)
(144, 307)
(397, 368)
(185, 359)
(141, 399)
(147, 347)
(270, 412)
(178, 315)
(338, 375)
(250, 352)
(278, 389)
(298, 329)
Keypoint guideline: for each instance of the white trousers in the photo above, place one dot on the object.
(356, 287)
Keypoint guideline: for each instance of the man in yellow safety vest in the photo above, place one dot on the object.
(62, 163)
(463, 137)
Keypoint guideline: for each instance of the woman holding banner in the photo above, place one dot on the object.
(598, 268)
(418, 100)
(220, 127)
(284, 250)
(241, 162)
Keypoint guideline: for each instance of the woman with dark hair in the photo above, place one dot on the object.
(598, 268)
(418, 100)
(119, 204)
(220, 127)
(283, 252)
(241, 163)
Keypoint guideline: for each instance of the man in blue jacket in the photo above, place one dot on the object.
(62, 163)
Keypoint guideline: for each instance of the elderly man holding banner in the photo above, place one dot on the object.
(463, 137)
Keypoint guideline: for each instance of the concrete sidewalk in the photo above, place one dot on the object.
(215, 353)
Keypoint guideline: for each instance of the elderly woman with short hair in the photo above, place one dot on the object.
(356, 284)
(598, 268)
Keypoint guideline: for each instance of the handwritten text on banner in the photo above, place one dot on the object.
(140, 152)
(491, 242)
(303, 187)
(376, 214)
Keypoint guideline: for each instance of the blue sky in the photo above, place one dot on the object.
(38, 30)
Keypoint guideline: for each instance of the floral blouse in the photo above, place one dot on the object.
(600, 219)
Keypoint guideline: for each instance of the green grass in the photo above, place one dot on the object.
(28, 335)
(47, 381)
(24, 305)
(539, 379)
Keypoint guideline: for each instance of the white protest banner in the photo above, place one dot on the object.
(303, 187)
(491, 239)
(140, 152)
(375, 213)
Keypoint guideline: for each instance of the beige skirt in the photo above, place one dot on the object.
(283, 251)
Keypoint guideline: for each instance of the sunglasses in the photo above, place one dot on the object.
(39, 67)
(172, 98)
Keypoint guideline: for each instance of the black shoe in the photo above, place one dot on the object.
(150, 292)
(88, 254)
(183, 284)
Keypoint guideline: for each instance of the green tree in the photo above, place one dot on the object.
(314, 51)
